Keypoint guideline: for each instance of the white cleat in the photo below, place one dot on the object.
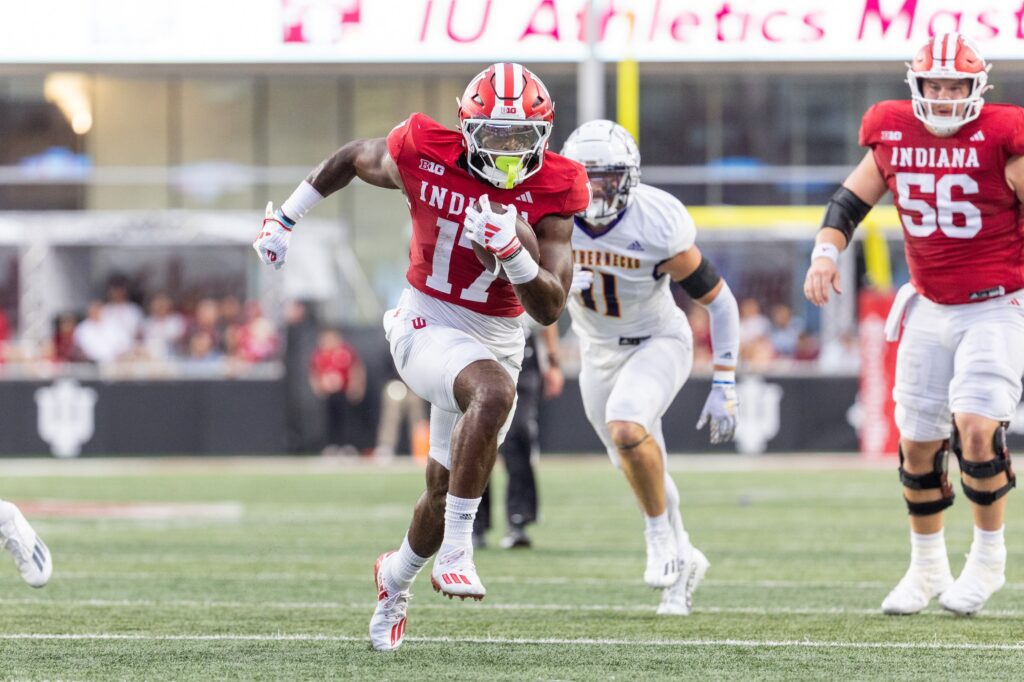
(678, 599)
(28, 549)
(917, 587)
(387, 626)
(977, 582)
(454, 575)
(662, 559)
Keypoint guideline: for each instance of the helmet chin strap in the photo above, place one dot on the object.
(510, 166)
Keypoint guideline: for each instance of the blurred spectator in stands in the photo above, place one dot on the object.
(806, 347)
(753, 323)
(700, 323)
(120, 313)
(207, 322)
(785, 330)
(231, 312)
(257, 338)
(337, 375)
(758, 354)
(99, 341)
(163, 331)
(303, 421)
(5, 335)
(841, 355)
(61, 347)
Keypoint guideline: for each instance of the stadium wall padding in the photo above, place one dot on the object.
(778, 414)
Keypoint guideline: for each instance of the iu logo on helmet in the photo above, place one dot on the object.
(418, 323)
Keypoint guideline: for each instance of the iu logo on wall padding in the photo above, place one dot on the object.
(67, 416)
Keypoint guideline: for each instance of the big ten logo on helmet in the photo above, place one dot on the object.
(432, 166)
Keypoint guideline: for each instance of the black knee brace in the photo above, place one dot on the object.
(937, 478)
(988, 469)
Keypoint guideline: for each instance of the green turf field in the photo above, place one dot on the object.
(274, 580)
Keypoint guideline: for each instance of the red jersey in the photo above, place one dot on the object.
(963, 225)
(438, 189)
(337, 362)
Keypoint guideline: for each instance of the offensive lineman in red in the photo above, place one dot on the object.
(955, 166)
(455, 335)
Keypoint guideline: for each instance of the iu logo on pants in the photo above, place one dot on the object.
(418, 323)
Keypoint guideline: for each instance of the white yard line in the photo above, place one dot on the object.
(276, 576)
(486, 606)
(514, 641)
(148, 466)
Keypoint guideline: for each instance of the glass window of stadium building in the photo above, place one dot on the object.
(100, 154)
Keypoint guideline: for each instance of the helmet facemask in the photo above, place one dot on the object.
(612, 160)
(611, 187)
(946, 116)
(505, 152)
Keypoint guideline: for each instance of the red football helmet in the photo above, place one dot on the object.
(505, 115)
(948, 56)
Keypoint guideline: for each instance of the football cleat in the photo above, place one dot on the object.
(977, 582)
(917, 587)
(387, 626)
(678, 599)
(454, 575)
(28, 549)
(662, 559)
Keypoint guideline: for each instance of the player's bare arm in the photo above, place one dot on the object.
(861, 190)
(366, 159)
(544, 296)
(1015, 176)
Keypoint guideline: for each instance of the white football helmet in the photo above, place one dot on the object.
(612, 160)
(948, 56)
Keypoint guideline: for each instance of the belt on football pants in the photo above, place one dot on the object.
(632, 340)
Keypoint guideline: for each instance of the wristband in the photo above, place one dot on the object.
(302, 199)
(520, 268)
(723, 376)
(826, 250)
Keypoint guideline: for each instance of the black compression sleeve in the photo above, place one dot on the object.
(844, 212)
(703, 279)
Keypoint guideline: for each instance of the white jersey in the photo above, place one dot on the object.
(628, 298)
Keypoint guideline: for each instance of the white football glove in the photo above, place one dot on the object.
(720, 410)
(272, 242)
(581, 279)
(496, 233)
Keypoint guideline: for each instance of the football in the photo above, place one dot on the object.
(526, 235)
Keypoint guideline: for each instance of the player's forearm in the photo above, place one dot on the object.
(543, 297)
(724, 321)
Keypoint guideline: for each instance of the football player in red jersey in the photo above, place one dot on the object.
(455, 334)
(955, 166)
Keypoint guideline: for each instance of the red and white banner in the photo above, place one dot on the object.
(324, 31)
(879, 436)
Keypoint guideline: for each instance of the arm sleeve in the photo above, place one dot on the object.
(725, 327)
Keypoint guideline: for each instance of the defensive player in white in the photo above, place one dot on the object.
(30, 553)
(636, 344)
